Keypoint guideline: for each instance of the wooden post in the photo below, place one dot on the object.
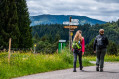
(34, 48)
(9, 51)
(69, 33)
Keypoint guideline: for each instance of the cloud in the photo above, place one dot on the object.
(98, 9)
(109, 1)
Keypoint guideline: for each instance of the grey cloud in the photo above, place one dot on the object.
(96, 8)
(108, 1)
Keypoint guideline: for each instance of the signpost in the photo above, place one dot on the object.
(71, 26)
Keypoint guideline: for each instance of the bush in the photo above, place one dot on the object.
(46, 47)
(112, 48)
(89, 48)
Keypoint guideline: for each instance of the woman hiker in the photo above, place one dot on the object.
(78, 51)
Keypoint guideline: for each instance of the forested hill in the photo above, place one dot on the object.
(59, 19)
(89, 31)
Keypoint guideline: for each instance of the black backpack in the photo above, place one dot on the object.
(100, 41)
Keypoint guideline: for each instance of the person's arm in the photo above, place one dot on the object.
(94, 45)
(83, 46)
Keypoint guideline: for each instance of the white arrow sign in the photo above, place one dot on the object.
(70, 23)
(66, 23)
(73, 23)
(74, 20)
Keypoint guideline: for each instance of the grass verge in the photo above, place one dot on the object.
(27, 63)
(108, 58)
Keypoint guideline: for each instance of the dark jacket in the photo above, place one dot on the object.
(104, 42)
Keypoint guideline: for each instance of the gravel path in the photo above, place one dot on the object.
(111, 71)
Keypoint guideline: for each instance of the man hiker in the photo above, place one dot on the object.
(100, 45)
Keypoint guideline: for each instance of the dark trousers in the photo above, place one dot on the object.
(79, 53)
(100, 57)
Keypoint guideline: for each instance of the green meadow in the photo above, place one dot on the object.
(28, 63)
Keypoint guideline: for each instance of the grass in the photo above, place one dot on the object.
(27, 63)
(108, 58)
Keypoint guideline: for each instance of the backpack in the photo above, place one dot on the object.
(76, 45)
(100, 42)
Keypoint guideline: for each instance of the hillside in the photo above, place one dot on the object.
(59, 19)
(89, 31)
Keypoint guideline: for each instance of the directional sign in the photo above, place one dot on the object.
(71, 33)
(74, 20)
(73, 23)
(34, 45)
(71, 27)
(66, 23)
(70, 23)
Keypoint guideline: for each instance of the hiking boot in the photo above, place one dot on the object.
(97, 68)
(74, 70)
(81, 68)
(101, 69)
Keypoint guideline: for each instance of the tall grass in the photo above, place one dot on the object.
(27, 63)
(108, 58)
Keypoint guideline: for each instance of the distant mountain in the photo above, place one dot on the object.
(59, 19)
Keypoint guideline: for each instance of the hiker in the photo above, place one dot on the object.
(100, 45)
(78, 51)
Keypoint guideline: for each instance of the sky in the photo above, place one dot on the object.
(105, 10)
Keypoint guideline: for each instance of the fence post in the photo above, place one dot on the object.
(9, 50)
(34, 48)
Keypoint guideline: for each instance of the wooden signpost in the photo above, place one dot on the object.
(71, 26)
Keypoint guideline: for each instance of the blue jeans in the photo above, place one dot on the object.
(79, 53)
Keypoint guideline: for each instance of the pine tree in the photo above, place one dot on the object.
(9, 20)
(3, 15)
(15, 24)
(1, 23)
(12, 24)
(24, 24)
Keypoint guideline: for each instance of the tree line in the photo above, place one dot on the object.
(89, 32)
(15, 24)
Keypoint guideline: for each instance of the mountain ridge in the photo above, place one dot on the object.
(59, 19)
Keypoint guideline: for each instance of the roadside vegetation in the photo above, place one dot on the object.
(28, 63)
(108, 58)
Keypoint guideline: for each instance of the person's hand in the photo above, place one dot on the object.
(94, 51)
(82, 53)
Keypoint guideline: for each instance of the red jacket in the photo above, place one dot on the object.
(83, 45)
